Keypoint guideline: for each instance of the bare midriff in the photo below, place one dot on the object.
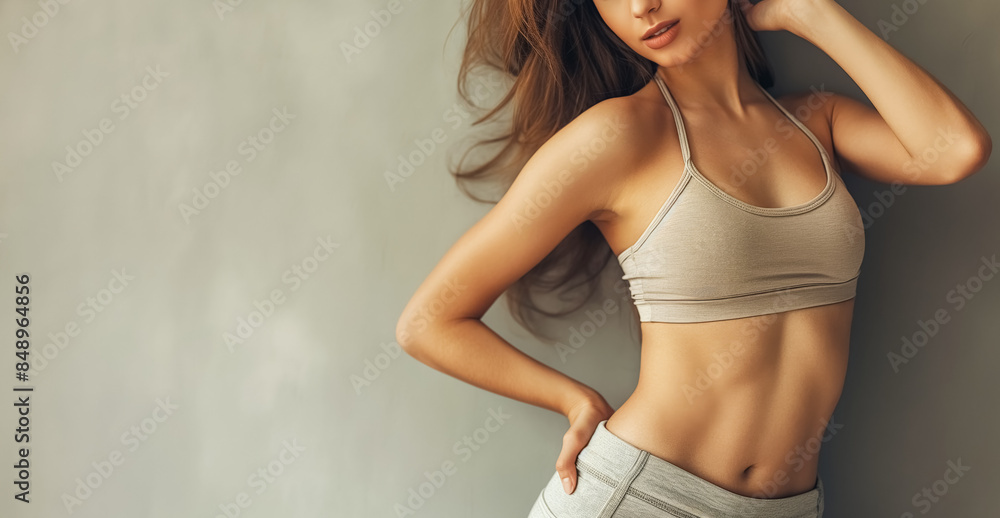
(743, 403)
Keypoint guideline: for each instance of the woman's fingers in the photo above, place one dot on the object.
(584, 418)
(573, 443)
(747, 9)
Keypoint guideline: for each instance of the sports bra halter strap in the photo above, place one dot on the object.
(766, 211)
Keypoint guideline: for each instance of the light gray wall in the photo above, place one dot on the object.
(227, 412)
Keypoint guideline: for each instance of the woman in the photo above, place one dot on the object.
(648, 121)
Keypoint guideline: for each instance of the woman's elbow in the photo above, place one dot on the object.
(977, 157)
(406, 335)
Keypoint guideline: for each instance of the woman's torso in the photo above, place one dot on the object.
(744, 402)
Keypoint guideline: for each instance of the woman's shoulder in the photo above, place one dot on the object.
(622, 128)
(603, 149)
(638, 112)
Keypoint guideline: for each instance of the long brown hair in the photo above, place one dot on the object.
(562, 59)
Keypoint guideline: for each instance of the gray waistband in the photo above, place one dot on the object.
(672, 485)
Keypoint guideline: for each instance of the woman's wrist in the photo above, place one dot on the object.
(582, 397)
(805, 16)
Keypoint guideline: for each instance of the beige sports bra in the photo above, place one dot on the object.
(709, 256)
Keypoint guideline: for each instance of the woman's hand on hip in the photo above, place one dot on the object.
(583, 420)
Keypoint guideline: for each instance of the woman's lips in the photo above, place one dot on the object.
(663, 39)
(658, 27)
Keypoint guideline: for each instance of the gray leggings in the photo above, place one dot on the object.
(618, 480)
